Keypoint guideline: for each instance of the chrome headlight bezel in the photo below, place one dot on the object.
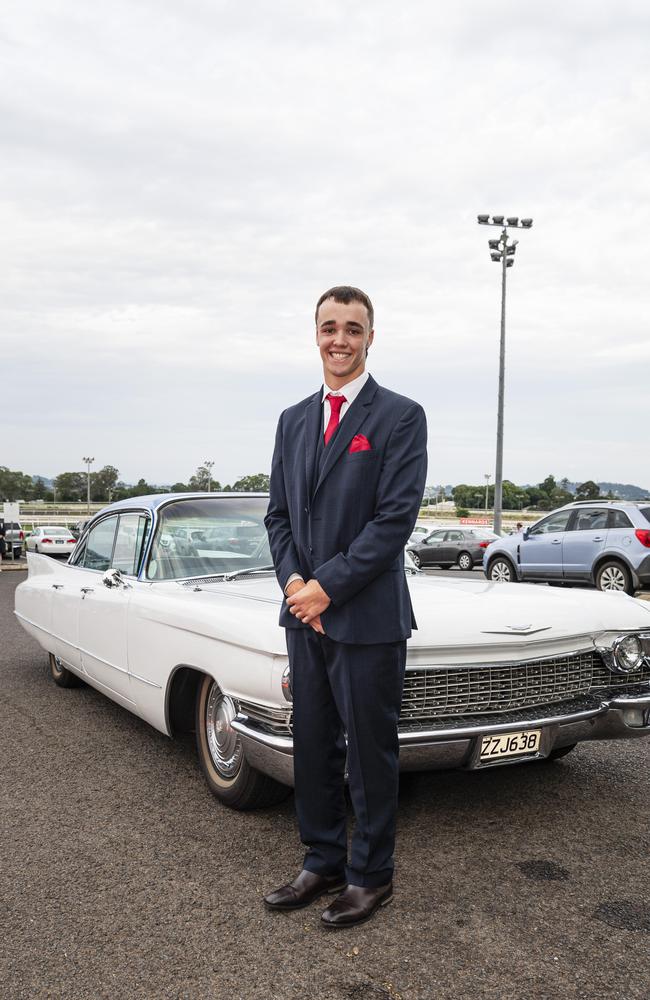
(625, 666)
(286, 684)
(614, 654)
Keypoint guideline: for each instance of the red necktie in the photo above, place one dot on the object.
(336, 402)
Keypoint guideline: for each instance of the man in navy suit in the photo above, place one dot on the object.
(347, 480)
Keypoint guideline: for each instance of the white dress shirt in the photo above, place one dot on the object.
(350, 390)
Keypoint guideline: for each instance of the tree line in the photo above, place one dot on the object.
(106, 485)
(547, 495)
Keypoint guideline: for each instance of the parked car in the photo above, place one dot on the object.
(51, 540)
(605, 544)
(418, 533)
(463, 547)
(190, 642)
(13, 535)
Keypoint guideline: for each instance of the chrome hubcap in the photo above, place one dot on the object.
(58, 665)
(612, 578)
(463, 562)
(225, 746)
(500, 573)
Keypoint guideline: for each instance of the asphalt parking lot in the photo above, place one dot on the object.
(122, 878)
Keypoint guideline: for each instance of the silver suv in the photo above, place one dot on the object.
(603, 543)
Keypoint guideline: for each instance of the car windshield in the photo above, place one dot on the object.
(209, 537)
(57, 531)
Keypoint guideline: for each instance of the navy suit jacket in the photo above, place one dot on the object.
(347, 525)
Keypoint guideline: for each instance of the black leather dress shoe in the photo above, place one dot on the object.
(356, 904)
(303, 890)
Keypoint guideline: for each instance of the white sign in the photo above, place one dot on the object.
(11, 512)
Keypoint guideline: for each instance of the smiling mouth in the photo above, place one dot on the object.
(337, 356)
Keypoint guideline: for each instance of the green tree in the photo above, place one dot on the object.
(514, 497)
(40, 491)
(588, 490)
(70, 486)
(103, 484)
(466, 496)
(202, 480)
(258, 483)
(15, 485)
(180, 488)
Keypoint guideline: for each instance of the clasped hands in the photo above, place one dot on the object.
(307, 601)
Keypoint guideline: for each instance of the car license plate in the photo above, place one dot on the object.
(501, 745)
(58, 541)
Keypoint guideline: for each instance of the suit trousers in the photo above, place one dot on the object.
(340, 690)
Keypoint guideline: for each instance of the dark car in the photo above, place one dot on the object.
(11, 539)
(452, 546)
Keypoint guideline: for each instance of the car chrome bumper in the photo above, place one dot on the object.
(622, 716)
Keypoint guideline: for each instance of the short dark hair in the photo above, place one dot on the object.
(347, 294)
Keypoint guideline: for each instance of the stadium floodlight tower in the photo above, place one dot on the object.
(88, 461)
(502, 252)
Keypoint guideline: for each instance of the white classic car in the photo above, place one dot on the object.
(160, 609)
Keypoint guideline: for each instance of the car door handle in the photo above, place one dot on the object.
(57, 586)
(598, 538)
(556, 541)
(87, 590)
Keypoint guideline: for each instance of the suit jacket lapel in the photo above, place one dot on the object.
(313, 419)
(349, 426)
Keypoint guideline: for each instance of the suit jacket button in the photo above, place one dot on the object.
(311, 551)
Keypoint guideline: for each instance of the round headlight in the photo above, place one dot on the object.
(628, 653)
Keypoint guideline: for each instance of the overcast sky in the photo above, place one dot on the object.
(180, 182)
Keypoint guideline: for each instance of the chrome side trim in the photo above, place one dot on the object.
(143, 680)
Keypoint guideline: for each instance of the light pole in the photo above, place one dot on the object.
(88, 462)
(487, 486)
(504, 253)
(209, 466)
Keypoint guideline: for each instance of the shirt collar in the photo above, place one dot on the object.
(350, 390)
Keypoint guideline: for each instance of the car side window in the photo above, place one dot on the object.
(435, 536)
(590, 520)
(556, 522)
(454, 536)
(131, 535)
(618, 519)
(99, 545)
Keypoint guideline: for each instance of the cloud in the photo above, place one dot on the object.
(179, 184)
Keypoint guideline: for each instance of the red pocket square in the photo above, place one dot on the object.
(360, 443)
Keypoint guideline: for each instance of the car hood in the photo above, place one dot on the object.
(456, 618)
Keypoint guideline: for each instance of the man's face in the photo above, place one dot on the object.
(343, 336)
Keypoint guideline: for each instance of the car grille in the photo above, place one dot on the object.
(434, 693)
(272, 720)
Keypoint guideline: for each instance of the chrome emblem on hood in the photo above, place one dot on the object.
(516, 630)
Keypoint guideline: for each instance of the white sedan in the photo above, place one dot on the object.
(51, 541)
(184, 633)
